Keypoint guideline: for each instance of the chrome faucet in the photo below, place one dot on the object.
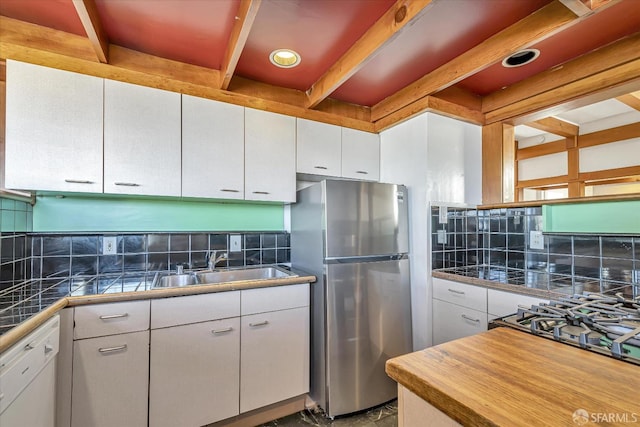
(213, 259)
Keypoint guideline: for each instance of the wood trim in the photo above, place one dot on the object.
(382, 32)
(508, 163)
(610, 173)
(590, 199)
(541, 150)
(245, 17)
(555, 126)
(492, 167)
(526, 32)
(607, 136)
(540, 182)
(615, 181)
(631, 99)
(600, 60)
(576, 187)
(88, 14)
(577, 6)
(616, 79)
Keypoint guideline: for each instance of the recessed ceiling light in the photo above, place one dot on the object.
(520, 58)
(284, 58)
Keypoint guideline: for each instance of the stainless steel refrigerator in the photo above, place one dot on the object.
(353, 237)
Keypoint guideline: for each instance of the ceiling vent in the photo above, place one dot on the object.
(521, 58)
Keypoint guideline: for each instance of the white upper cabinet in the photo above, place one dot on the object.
(53, 130)
(270, 156)
(360, 155)
(212, 149)
(319, 147)
(141, 140)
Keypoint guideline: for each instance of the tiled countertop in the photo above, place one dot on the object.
(525, 283)
(26, 306)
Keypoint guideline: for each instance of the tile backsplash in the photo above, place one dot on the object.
(65, 255)
(500, 239)
(15, 245)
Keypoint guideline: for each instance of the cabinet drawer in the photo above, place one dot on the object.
(462, 294)
(451, 321)
(194, 308)
(110, 319)
(501, 303)
(275, 298)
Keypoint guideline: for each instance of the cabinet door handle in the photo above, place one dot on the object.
(228, 190)
(471, 319)
(78, 181)
(260, 192)
(222, 331)
(363, 172)
(107, 350)
(264, 322)
(321, 167)
(453, 291)
(127, 184)
(113, 316)
(48, 348)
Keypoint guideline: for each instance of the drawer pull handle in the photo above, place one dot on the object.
(363, 172)
(127, 184)
(229, 190)
(260, 192)
(78, 181)
(222, 331)
(107, 350)
(29, 346)
(453, 291)
(321, 167)
(48, 348)
(471, 319)
(114, 316)
(264, 322)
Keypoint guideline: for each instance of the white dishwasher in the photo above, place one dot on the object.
(28, 378)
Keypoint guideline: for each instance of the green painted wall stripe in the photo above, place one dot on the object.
(622, 217)
(95, 214)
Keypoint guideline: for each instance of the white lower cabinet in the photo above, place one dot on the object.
(451, 321)
(274, 358)
(194, 373)
(500, 303)
(110, 381)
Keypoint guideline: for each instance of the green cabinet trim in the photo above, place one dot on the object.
(617, 217)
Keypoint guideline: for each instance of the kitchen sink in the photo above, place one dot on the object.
(209, 277)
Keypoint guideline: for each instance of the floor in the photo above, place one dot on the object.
(381, 416)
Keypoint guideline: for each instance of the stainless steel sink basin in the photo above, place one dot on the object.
(169, 280)
(172, 280)
(259, 273)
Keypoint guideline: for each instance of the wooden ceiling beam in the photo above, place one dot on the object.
(631, 99)
(555, 126)
(607, 136)
(584, 7)
(534, 28)
(239, 33)
(88, 14)
(610, 56)
(382, 32)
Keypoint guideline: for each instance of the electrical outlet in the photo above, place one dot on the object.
(442, 236)
(235, 243)
(109, 245)
(536, 240)
(442, 215)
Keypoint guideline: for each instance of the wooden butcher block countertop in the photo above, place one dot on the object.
(506, 377)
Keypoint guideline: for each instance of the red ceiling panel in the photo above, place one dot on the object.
(607, 26)
(446, 30)
(319, 30)
(58, 14)
(194, 31)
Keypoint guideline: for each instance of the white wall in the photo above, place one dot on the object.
(438, 159)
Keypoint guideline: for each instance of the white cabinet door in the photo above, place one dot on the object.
(212, 149)
(360, 155)
(194, 373)
(111, 381)
(274, 357)
(53, 129)
(451, 321)
(500, 303)
(319, 147)
(270, 156)
(141, 140)
(469, 296)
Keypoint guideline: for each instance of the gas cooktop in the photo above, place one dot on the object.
(602, 323)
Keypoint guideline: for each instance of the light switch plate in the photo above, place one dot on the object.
(235, 243)
(442, 215)
(536, 240)
(109, 245)
(442, 236)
